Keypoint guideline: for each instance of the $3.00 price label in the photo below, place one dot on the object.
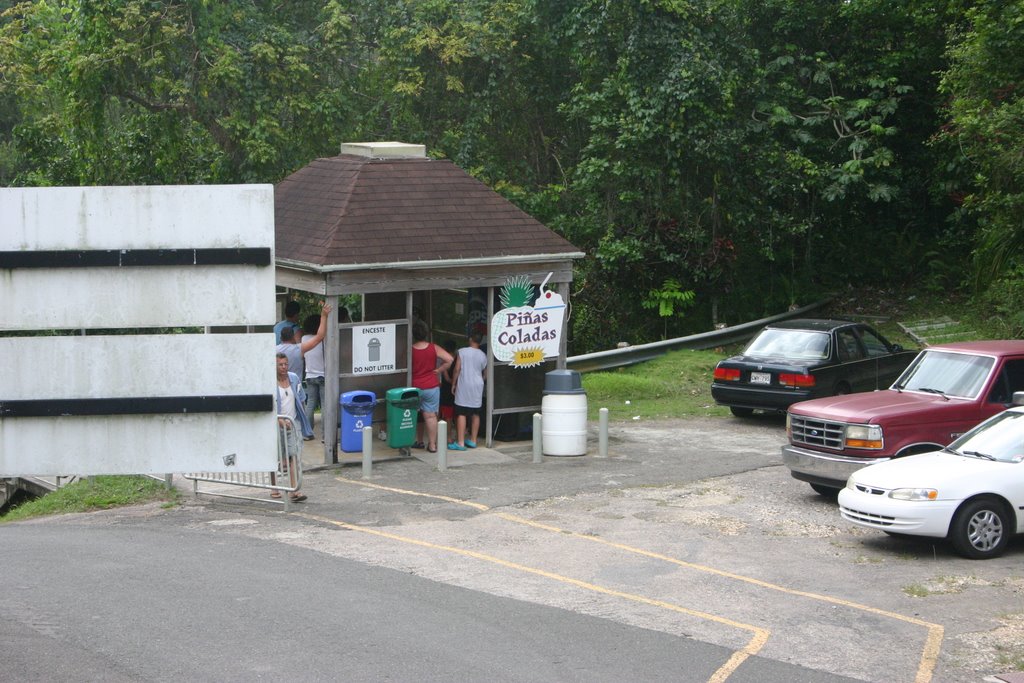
(525, 358)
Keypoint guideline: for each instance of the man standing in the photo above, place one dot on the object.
(294, 350)
(290, 348)
(288, 400)
(291, 319)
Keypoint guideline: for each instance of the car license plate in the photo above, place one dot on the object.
(760, 378)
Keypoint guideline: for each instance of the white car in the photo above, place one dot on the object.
(971, 492)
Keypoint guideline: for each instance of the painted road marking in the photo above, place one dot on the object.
(933, 640)
(759, 636)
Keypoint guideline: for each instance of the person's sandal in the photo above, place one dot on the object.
(418, 444)
(456, 447)
(471, 444)
(431, 450)
(298, 497)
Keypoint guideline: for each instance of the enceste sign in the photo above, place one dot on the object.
(525, 335)
(373, 349)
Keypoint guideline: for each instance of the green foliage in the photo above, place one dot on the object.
(758, 153)
(101, 493)
(136, 91)
(986, 110)
(668, 298)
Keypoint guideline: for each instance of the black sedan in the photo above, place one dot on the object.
(799, 360)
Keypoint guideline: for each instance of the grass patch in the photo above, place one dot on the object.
(677, 384)
(100, 494)
(1009, 658)
(916, 590)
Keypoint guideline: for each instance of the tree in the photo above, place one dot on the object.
(843, 105)
(176, 91)
(985, 85)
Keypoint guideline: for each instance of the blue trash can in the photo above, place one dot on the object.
(356, 413)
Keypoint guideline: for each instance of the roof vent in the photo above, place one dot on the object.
(384, 150)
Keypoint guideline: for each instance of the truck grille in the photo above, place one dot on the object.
(807, 430)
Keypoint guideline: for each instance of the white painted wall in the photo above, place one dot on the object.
(155, 217)
(166, 296)
(137, 365)
(137, 217)
(137, 444)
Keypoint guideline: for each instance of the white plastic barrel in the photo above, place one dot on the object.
(563, 414)
(564, 424)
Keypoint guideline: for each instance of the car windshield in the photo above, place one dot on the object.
(943, 372)
(1000, 438)
(797, 344)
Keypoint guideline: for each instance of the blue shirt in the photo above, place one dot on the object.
(280, 326)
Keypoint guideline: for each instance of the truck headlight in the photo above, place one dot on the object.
(914, 494)
(863, 436)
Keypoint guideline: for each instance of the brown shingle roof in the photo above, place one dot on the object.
(352, 210)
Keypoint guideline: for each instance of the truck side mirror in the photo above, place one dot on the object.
(1018, 398)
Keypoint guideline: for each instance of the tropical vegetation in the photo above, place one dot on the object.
(716, 160)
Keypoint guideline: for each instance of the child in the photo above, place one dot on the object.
(468, 386)
(447, 396)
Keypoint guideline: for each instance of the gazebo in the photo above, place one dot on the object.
(413, 237)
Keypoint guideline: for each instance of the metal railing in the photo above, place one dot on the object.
(630, 355)
(285, 480)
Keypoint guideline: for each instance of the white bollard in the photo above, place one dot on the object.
(367, 452)
(602, 433)
(537, 436)
(442, 445)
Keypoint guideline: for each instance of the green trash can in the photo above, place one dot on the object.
(403, 405)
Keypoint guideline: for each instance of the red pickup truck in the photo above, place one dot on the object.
(945, 391)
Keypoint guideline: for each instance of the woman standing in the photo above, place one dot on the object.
(426, 376)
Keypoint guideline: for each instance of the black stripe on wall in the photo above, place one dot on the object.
(253, 403)
(115, 258)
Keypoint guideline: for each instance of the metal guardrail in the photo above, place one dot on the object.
(630, 355)
(283, 481)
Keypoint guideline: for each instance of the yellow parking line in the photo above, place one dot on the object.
(933, 641)
(757, 640)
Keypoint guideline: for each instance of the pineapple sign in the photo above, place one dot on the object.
(525, 335)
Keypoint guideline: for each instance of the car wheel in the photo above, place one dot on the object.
(741, 412)
(980, 529)
(841, 389)
(826, 491)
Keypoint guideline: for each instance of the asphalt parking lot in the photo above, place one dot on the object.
(691, 527)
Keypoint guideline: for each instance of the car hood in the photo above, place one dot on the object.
(873, 405)
(939, 470)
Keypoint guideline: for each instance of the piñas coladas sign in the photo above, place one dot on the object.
(525, 335)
